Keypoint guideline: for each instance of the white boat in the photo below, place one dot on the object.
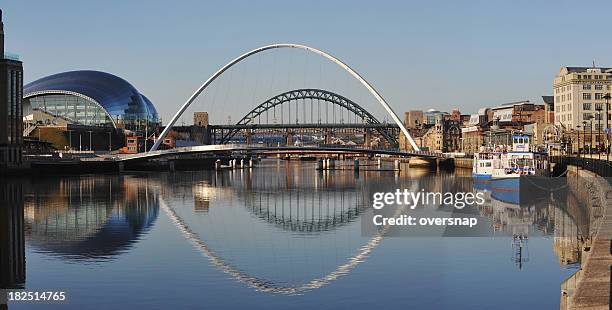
(520, 161)
(482, 166)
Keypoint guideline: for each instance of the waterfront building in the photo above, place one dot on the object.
(429, 117)
(520, 112)
(549, 109)
(413, 119)
(579, 95)
(433, 139)
(455, 115)
(11, 126)
(87, 110)
(200, 119)
(472, 138)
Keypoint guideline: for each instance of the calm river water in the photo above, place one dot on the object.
(279, 236)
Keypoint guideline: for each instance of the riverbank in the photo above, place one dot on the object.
(589, 287)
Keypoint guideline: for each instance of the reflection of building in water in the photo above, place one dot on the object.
(12, 244)
(201, 196)
(514, 219)
(567, 238)
(89, 217)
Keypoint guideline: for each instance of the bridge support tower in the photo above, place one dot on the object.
(289, 137)
(249, 137)
(328, 136)
(367, 138)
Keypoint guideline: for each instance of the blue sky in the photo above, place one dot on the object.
(418, 54)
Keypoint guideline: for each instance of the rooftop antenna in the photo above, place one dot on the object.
(593, 63)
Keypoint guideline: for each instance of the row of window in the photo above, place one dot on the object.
(596, 87)
(587, 96)
(585, 117)
(593, 77)
(568, 88)
(14, 108)
(74, 108)
(598, 106)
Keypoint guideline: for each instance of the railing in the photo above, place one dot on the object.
(601, 167)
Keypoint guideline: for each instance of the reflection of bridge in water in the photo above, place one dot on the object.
(72, 202)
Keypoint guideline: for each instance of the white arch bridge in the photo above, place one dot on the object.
(335, 60)
(257, 149)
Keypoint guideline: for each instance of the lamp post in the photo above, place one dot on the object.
(598, 109)
(607, 98)
(578, 143)
(590, 135)
(584, 137)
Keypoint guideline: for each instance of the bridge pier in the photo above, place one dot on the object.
(289, 137)
(249, 137)
(328, 136)
(320, 164)
(332, 164)
(367, 138)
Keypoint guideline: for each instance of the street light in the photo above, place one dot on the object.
(578, 137)
(607, 98)
(590, 134)
(598, 108)
(584, 137)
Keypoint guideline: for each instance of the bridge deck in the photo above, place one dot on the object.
(201, 149)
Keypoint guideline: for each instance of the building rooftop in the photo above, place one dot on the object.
(584, 69)
(117, 96)
(548, 99)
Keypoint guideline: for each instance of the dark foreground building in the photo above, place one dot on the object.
(11, 122)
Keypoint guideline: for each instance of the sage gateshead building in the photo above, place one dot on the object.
(89, 101)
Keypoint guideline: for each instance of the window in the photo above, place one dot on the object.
(598, 106)
(598, 96)
(586, 86)
(586, 106)
(598, 87)
(586, 116)
(586, 96)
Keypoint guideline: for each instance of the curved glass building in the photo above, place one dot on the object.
(90, 98)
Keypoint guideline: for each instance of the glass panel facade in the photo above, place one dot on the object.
(74, 109)
(127, 107)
